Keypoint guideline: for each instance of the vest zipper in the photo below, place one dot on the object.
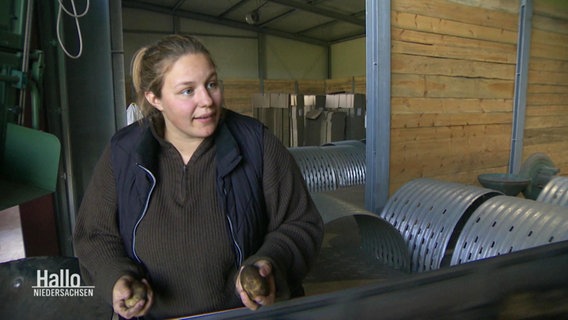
(239, 251)
(147, 203)
(235, 242)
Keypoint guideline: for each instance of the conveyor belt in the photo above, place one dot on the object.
(529, 284)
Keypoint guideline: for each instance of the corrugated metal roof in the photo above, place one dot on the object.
(322, 22)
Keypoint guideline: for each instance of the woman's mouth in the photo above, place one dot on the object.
(204, 117)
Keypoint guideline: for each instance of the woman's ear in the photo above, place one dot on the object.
(153, 100)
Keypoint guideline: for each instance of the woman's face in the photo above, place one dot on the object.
(191, 99)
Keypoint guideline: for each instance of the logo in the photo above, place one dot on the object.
(62, 284)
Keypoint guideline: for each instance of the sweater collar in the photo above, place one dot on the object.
(228, 153)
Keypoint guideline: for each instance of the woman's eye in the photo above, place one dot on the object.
(212, 85)
(187, 91)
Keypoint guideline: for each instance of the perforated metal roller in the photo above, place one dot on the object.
(555, 192)
(505, 224)
(428, 213)
(378, 238)
(330, 167)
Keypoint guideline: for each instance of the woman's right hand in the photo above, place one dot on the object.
(131, 297)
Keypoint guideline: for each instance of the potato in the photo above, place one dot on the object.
(138, 293)
(253, 283)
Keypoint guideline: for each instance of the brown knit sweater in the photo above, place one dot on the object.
(183, 239)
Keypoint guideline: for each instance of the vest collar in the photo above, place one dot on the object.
(228, 151)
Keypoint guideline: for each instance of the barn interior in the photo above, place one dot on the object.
(431, 136)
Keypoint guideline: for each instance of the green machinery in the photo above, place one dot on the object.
(29, 158)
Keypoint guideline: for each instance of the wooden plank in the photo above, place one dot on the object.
(542, 64)
(548, 77)
(339, 85)
(551, 24)
(549, 37)
(420, 135)
(551, 8)
(470, 177)
(477, 52)
(310, 87)
(548, 121)
(444, 146)
(448, 40)
(550, 51)
(418, 22)
(544, 135)
(453, 119)
(537, 99)
(361, 85)
(547, 110)
(546, 88)
(451, 162)
(457, 12)
(401, 105)
(500, 5)
(280, 86)
(238, 94)
(414, 64)
(449, 87)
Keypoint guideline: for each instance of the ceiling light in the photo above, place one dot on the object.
(252, 17)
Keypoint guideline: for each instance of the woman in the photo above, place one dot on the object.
(180, 201)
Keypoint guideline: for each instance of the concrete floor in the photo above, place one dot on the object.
(11, 238)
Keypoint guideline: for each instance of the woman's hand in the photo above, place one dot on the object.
(131, 297)
(253, 303)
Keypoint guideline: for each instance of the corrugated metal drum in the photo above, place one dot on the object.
(427, 213)
(555, 192)
(377, 237)
(316, 168)
(353, 143)
(349, 163)
(505, 224)
(333, 166)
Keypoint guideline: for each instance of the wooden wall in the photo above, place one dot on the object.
(453, 72)
(546, 128)
(238, 92)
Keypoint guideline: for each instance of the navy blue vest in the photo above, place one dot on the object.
(239, 156)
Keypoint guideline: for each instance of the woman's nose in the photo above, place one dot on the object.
(204, 97)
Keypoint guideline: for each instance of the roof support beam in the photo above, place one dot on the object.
(215, 20)
(323, 12)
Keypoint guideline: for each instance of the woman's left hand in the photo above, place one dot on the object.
(253, 303)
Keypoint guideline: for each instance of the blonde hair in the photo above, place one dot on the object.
(151, 63)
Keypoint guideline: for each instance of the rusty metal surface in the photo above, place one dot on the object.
(506, 224)
(555, 192)
(427, 213)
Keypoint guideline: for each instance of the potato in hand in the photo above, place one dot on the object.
(138, 293)
(253, 283)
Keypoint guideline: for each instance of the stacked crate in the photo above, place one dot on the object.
(314, 107)
(354, 105)
(283, 114)
(311, 120)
